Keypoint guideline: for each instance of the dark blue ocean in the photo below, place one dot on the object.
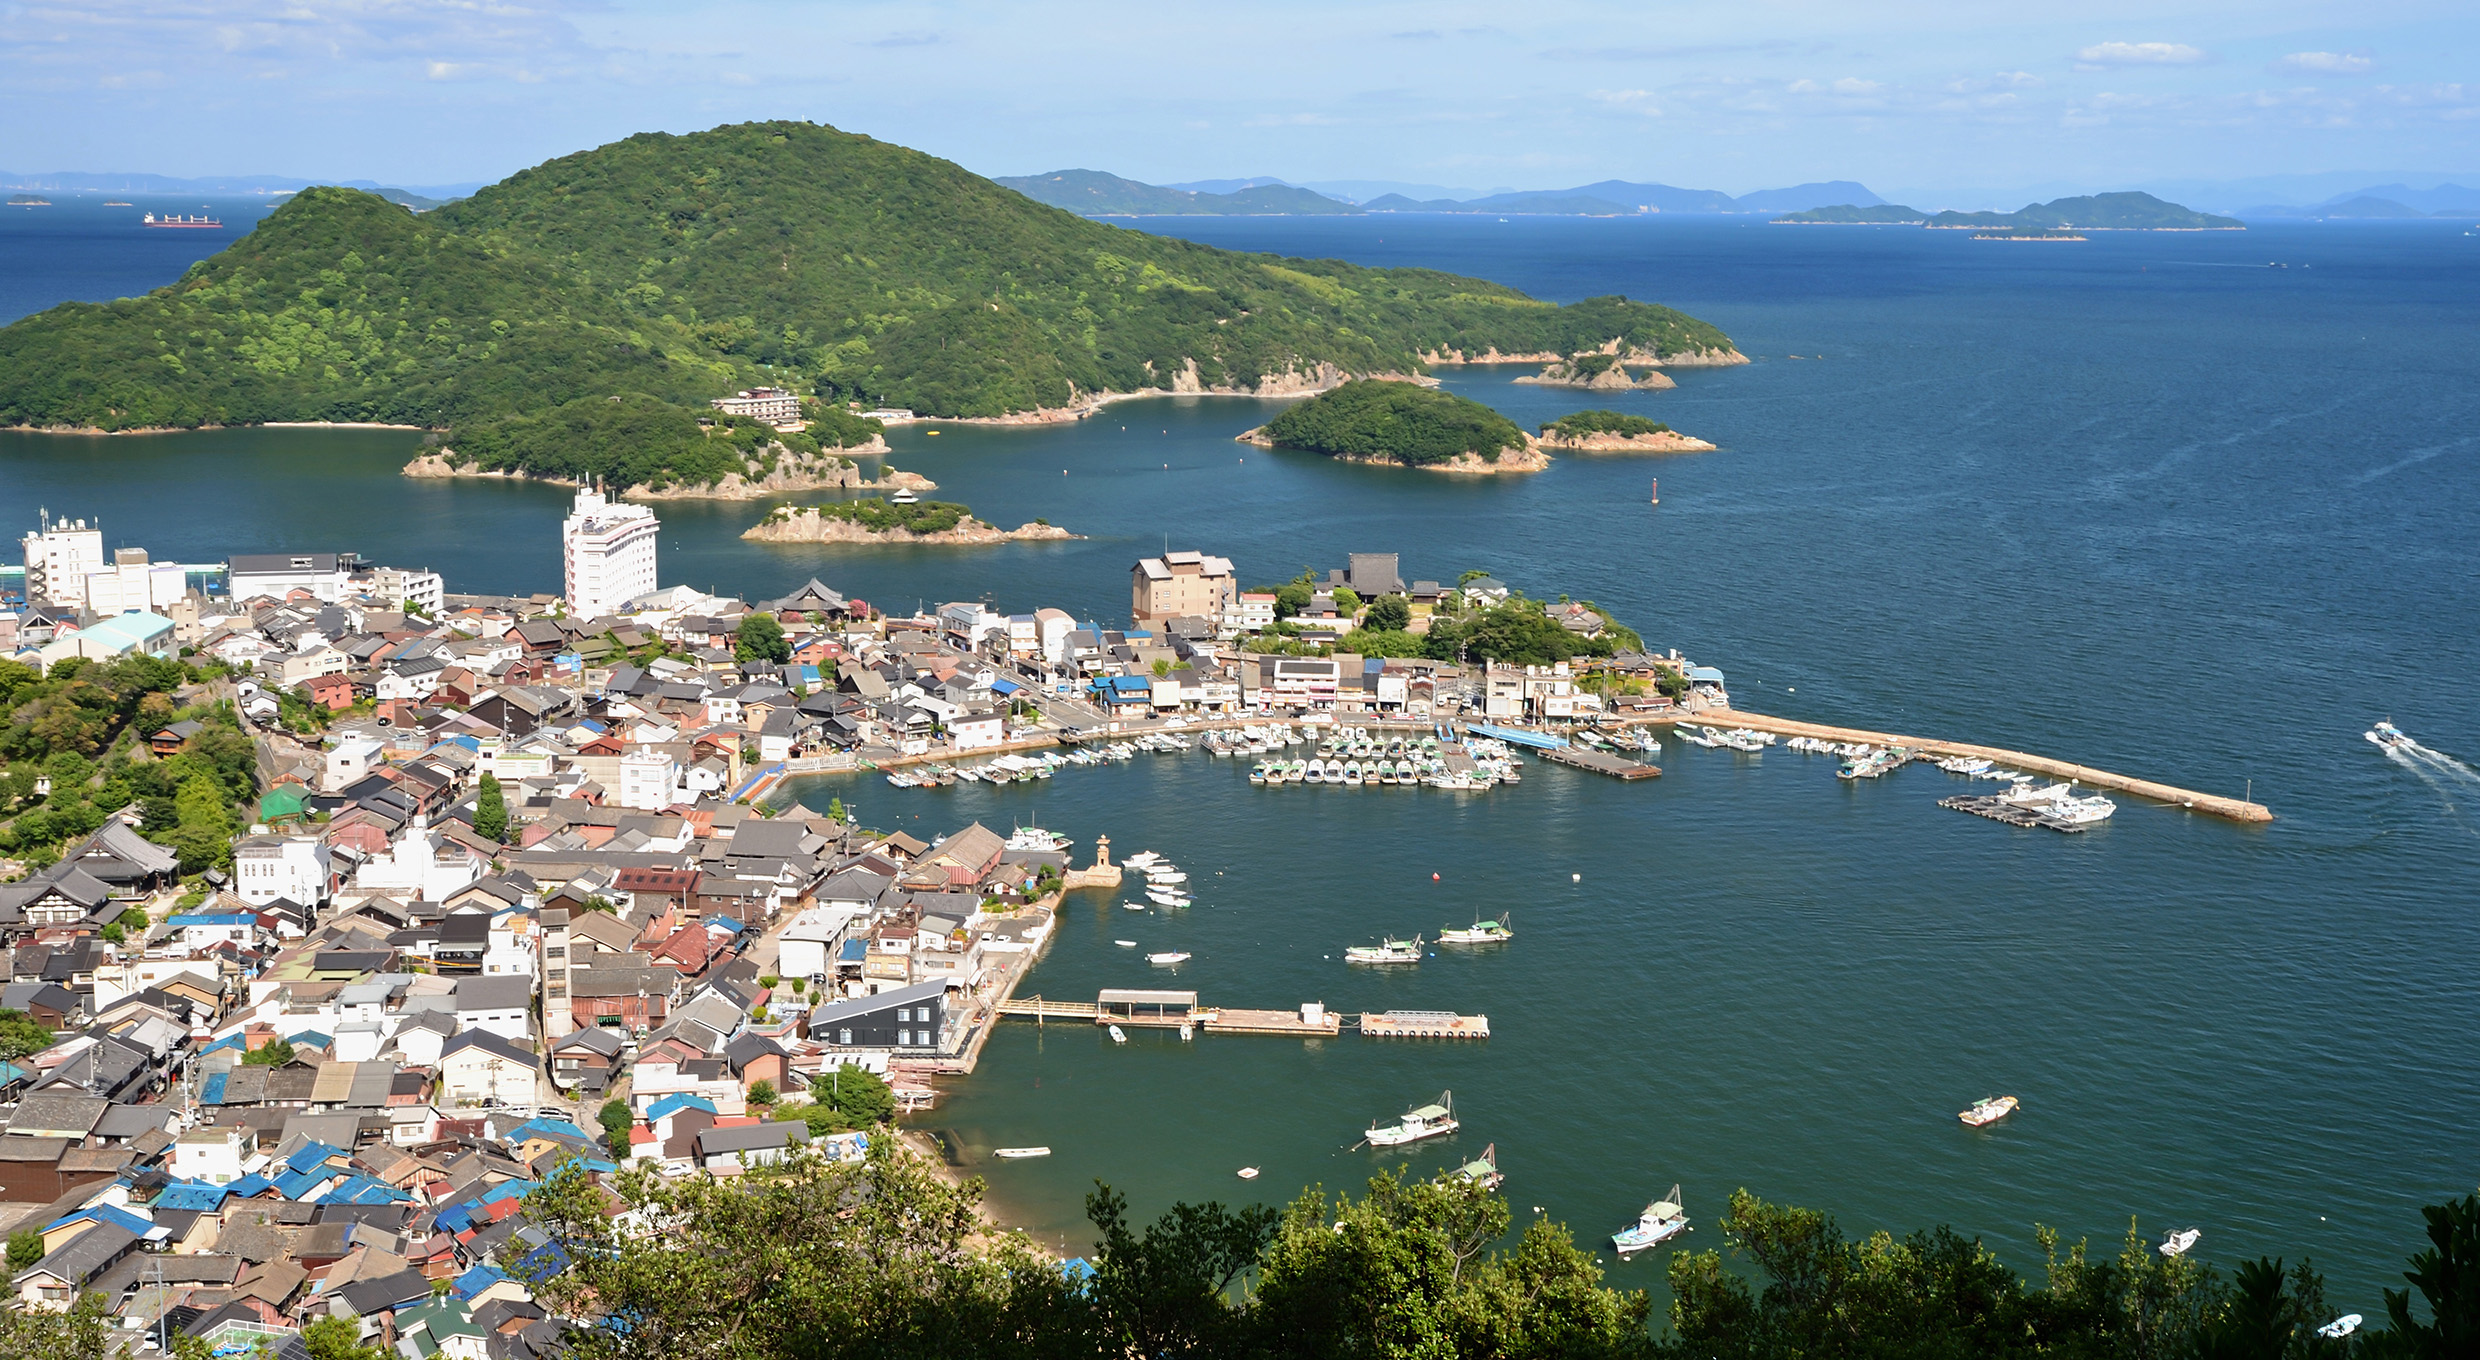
(2148, 502)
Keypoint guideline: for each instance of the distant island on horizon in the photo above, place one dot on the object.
(2131, 211)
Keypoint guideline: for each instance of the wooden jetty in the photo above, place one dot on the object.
(2235, 809)
(1600, 762)
(1424, 1025)
(1312, 1021)
(2013, 814)
(1146, 1009)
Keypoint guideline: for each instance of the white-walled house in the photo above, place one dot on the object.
(479, 1068)
(295, 869)
(497, 1005)
(213, 1154)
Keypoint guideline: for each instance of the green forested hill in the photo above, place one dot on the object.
(683, 266)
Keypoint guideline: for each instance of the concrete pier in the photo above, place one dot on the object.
(2237, 810)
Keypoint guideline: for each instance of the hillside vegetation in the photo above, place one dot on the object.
(1587, 423)
(1394, 421)
(638, 440)
(681, 267)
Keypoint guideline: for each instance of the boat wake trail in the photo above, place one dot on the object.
(2442, 781)
(2442, 763)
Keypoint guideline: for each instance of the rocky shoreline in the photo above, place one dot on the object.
(805, 525)
(1533, 457)
(1615, 378)
(1639, 358)
(830, 471)
(1185, 383)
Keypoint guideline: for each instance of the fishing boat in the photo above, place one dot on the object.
(1125, 944)
(2387, 735)
(1662, 1220)
(1118, 1035)
(2349, 1322)
(1170, 956)
(1989, 1110)
(1421, 1121)
(1036, 839)
(904, 496)
(1480, 932)
(2177, 1243)
(1482, 1170)
(1018, 1154)
(1164, 873)
(1168, 897)
(1386, 951)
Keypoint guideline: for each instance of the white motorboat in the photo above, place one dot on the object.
(1164, 873)
(1125, 944)
(1421, 1121)
(1170, 956)
(1662, 1220)
(2387, 735)
(1248, 1173)
(1386, 951)
(2177, 1243)
(2349, 1322)
(1019, 1154)
(1480, 932)
(1118, 1035)
(1165, 897)
(1141, 860)
(1989, 1110)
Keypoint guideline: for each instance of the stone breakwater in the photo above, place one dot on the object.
(792, 474)
(807, 525)
(1659, 441)
(1530, 458)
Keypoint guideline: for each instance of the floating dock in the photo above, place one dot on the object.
(1307, 1022)
(1172, 1010)
(2013, 814)
(2235, 809)
(1600, 762)
(1424, 1025)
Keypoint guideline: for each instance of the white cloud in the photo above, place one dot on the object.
(1853, 85)
(2141, 54)
(2002, 80)
(2327, 63)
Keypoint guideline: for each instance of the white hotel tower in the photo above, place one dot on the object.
(609, 551)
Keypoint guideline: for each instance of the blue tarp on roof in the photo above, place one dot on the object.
(854, 951)
(212, 1093)
(454, 1219)
(301, 1184)
(228, 1041)
(1126, 684)
(557, 1128)
(674, 1104)
(105, 1213)
(593, 725)
(252, 1184)
(191, 1196)
(1006, 687)
(730, 926)
(313, 1153)
(508, 1190)
(474, 1281)
(469, 743)
(363, 1190)
(311, 1037)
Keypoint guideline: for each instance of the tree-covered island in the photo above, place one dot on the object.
(679, 268)
(1404, 424)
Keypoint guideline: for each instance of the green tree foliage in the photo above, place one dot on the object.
(760, 638)
(632, 439)
(859, 1097)
(273, 1053)
(340, 1338)
(77, 726)
(87, 1331)
(762, 1093)
(1164, 1290)
(1396, 422)
(1584, 423)
(2447, 1275)
(490, 809)
(1387, 613)
(25, 1248)
(616, 1120)
(203, 834)
(878, 516)
(21, 1034)
(808, 1260)
(682, 266)
(1516, 631)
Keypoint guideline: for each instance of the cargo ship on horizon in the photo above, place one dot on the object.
(179, 220)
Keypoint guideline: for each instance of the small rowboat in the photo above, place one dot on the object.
(1169, 956)
(1118, 1035)
(1989, 1110)
(1017, 1154)
(1248, 1173)
(1125, 944)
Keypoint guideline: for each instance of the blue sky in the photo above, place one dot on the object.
(1956, 96)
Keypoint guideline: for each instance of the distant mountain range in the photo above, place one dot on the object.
(2097, 212)
(2383, 200)
(1095, 193)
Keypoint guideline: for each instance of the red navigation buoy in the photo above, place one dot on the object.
(1433, 878)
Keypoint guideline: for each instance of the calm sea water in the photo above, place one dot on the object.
(2142, 502)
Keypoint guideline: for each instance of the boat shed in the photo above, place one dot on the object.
(1141, 1006)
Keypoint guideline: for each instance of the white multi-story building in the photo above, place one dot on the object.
(609, 551)
(135, 585)
(294, 868)
(59, 557)
(398, 588)
(325, 576)
(649, 779)
(774, 405)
